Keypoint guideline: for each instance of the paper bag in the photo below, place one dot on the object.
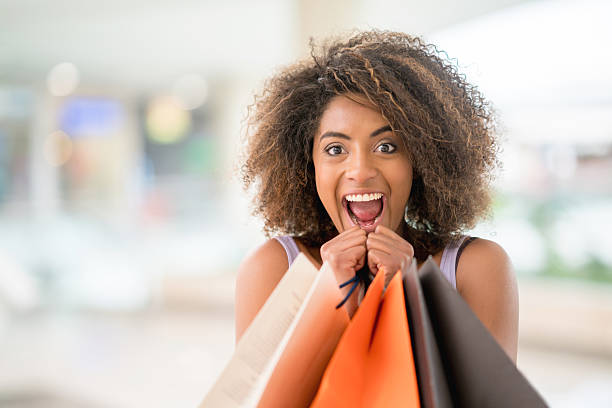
(479, 372)
(373, 364)
(433, 388)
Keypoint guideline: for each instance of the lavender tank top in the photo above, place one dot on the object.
(448, 263)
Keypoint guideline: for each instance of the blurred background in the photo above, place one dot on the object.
(122, 222)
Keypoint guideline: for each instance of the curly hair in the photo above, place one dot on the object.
(446, 124)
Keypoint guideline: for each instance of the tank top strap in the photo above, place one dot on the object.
(290, 246)
(449, 260)
(447, 263)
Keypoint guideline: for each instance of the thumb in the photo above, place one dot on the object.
(373, 261)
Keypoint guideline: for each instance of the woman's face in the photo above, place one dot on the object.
(363, 172)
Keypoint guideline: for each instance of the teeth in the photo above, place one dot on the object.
(364, 197)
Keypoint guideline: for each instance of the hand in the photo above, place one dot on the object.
(345, 254)
(389, 250)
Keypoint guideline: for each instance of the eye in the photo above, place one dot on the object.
(386, 148)
(334, 150)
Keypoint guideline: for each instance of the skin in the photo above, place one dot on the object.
(356, 151)
(353, 152)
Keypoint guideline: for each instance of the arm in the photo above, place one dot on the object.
(257, 277)
(486, 280)
(260, 272)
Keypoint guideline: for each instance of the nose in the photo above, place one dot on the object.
(361, 167)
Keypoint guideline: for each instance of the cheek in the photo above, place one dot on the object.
(320, 190)
(403, 183)
(324, 188)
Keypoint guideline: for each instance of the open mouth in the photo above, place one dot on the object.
(365, 210)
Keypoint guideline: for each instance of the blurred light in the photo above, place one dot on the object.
(167, 121)
(18, 289)
(83, 117)
(579, 233)
(561, 161)
(63, 79)
(570, 241)
(58, 148)
(110, 281)
(524, 244)
(15, 102)
(191, 91)
(531, 65)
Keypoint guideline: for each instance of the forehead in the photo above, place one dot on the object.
(350, 114)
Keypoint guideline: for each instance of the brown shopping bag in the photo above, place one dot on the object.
(372, 365)
(433, 388)
(479, 372)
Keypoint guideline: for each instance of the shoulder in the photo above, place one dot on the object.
(258, 275)
(486, 280)
(483, 261)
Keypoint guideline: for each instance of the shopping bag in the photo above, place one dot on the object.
(373, 365)
(282, 355)
(433, 387)
(479, 372)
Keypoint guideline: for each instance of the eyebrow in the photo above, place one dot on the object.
(341, 135)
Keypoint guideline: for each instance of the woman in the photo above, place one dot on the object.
(371, 153)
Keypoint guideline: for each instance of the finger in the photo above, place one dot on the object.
(346, 264)
(376, 260)
(354, 229)
(356, 252)
(389, 245)
(381, 229)
(380, 242)
(349, 242)
(385, 233)
(356, 256)
(343, 241)
(386, 244)
(360, 262)
(385, 263)
(372, 262)
(343, 257)
(353, 232)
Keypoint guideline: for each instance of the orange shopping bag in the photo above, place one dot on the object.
(373, 365)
